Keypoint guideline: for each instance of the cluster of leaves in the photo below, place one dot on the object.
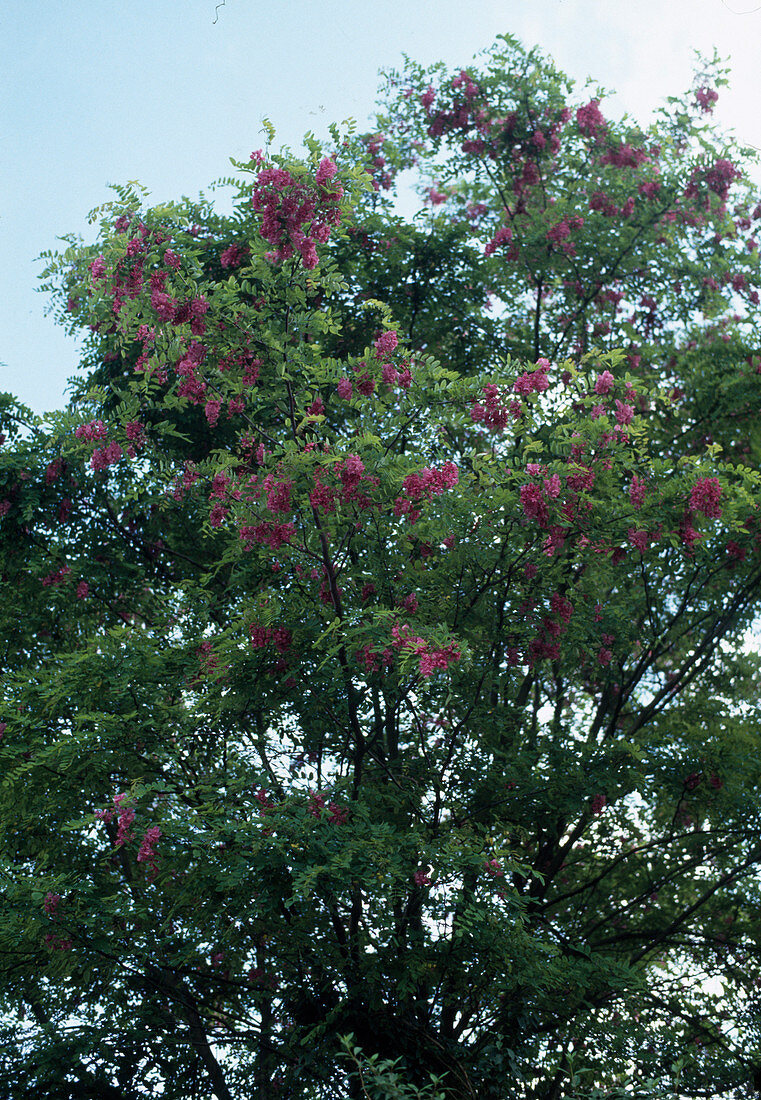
(375, 714)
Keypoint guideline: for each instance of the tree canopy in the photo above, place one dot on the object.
(378, 713)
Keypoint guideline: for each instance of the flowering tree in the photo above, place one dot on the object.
(376, 719)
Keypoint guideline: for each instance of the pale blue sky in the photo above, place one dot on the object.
(101, 91)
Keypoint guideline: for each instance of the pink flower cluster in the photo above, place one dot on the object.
(103, 457)
(278, 493)
(637, 492)
(336, 815)
(492, 412)
(546, 646)
(351, 475)
(91, 431)
(589, 119)
(534, 381)
(705, 98)
(185, 481)
(135, 433)
(705, 497)
(233, 256)
(624, 156)
(605, 382)
(296, 216)
(58, 577)
(50, 904)
(597, 804)
(372, 661)
(534, 497)
(125, 816)
(431, 482)
(638, 539)
(718, 178)
(426, 483)
(381, 178)
(385, 344)
(560, 233)
(279, 637)
(147, 852)
(429, 657)
(501, 237)
(269, 534)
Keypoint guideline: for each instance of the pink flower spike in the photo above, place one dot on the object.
(605, 382)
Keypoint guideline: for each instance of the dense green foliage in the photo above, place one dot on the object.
(377, 718)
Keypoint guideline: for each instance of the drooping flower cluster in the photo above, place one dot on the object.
(534, 381)
(147, 852)
(279, 637)
(426, 483)
(705, 497)
(297, 215)
(430, 658)
(492, 411)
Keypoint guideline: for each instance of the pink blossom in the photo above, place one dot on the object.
(125, 819)
(95, 429)
(337, 815)
(562, 607)
(637, 492)
(705, 497)
(735, 551)
(147, 852)
(164, 305)
(533, 381)
(135, 432)
(598, 804)
(50, 903)
(103, 457)
(325, 171)
(431, 482)
(638, 539)
(502, 236)
(433, 659)
(589, 119)
(421, 878)
(386, 343)
(428, 97)
(278, 494)
(365, 384)
(390, 374)
(533, 504)
(273, 535)
(212, 410)
(552, 486)
(605, 382)
(705, 98)
(344, 389)
(624, 413)
(492, 413)
(559, 233)
(720, 176)
(231, 257)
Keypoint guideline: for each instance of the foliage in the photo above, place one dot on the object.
(376, 714)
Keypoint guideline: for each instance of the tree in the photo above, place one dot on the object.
(377, 718)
